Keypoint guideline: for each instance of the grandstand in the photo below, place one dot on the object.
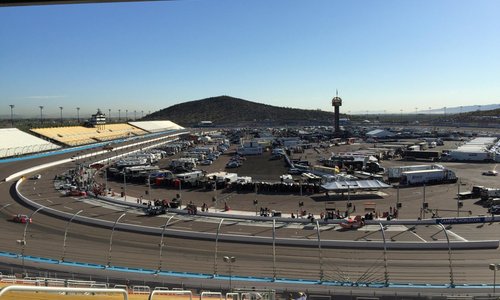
(14, 142)
(79, 135)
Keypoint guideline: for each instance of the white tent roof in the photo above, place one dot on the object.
(156, 126)
(345, 186)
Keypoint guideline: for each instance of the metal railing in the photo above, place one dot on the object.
(49, 289)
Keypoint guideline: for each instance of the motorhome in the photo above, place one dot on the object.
(190, 177)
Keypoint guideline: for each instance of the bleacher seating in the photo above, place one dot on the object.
(79, 135)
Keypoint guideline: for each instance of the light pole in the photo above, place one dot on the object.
(161, 241)
(320, 253)
(41, 114)
(494, 268)
(119, 115)
(109, 114)
(135, 115)
(458, 197)
(66, 233)
(126, 115)
(78, 114)
(422, 214)
(11, 115)
(124, 186)
(216, 246)
(111, 239)
(61, 108)
(230, 260)
(23, 241)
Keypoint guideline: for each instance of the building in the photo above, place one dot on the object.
(206, 124)
(98, 120)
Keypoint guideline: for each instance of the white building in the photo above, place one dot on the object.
(250, 148)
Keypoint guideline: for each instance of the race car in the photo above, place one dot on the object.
(20, 218)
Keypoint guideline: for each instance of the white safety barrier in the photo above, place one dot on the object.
(141, 289)
(8, 279)
(38, 289)
(211, 295)
(232, 296)
(79, 283)
(171, 293)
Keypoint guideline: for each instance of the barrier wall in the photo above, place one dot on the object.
(486, 244)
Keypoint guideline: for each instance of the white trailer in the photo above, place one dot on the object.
(428, 177)
(394, 174)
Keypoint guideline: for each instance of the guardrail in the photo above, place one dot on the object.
(17, 288)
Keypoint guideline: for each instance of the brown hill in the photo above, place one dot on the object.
(226, 110)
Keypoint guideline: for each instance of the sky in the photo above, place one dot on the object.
(382, 55)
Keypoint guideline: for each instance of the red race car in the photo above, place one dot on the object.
(20, 218)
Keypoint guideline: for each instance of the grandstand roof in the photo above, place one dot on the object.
(156, 126)
(16, 142)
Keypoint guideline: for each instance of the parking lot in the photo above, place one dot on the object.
(441, 199)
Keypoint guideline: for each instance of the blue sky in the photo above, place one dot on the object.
(145, 56)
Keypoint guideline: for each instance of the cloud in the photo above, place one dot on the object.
(45, 97)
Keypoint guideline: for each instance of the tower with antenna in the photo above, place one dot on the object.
(337, 103)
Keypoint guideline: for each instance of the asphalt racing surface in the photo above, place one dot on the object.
(92, 244)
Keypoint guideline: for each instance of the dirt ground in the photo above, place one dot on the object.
(441, 199)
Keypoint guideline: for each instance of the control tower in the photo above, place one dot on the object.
(336, 103)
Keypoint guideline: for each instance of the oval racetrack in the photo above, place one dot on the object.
(91, 244)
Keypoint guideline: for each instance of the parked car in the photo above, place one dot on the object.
(206, 162)
(232, 164)
(20, 218)
(490, 173)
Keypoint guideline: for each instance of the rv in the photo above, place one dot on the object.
(190, 177)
